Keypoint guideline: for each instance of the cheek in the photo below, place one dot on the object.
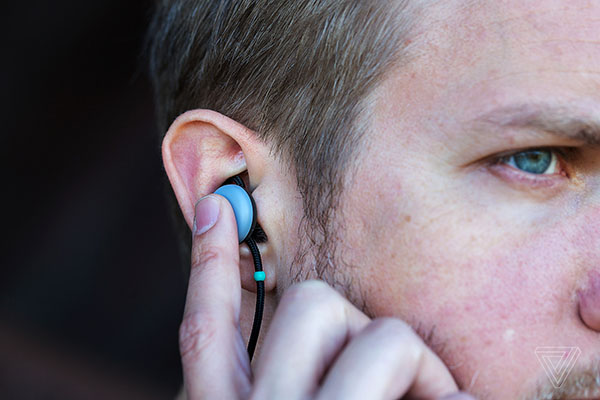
(489, 309)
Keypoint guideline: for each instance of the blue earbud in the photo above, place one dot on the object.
(243, 208)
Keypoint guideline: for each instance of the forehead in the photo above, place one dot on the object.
(479, 41)
(469, 57)
(509, 25)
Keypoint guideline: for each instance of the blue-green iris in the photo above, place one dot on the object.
(533, 161)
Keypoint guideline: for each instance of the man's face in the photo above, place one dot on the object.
(490, 260)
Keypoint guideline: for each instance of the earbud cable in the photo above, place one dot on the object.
(260, 297)
(260, 284)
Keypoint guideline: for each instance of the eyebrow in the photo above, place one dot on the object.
(561, 121)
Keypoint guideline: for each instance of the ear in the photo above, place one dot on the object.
(203, 148)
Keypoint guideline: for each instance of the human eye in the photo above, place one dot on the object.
(537, 166)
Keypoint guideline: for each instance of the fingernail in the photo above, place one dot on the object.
(207, 213)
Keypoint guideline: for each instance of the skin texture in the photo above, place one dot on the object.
(493, 264)
(483, 262)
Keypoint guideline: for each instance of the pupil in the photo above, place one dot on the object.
(533, 161)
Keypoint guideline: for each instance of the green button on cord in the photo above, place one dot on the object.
(259, 276)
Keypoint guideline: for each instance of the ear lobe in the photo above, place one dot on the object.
(200, 151)
(247, 272)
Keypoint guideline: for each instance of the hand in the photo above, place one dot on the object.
(319, 346)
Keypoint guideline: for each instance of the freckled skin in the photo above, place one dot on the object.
(448, 245)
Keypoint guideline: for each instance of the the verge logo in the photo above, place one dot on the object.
(557, 362)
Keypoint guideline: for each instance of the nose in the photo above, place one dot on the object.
(589, 302)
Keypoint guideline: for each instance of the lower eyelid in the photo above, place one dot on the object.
(512, 175)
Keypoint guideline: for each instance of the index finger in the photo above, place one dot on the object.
(214, 359)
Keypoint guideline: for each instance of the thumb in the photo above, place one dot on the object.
(214, 359)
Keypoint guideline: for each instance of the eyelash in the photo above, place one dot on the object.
(563, 154)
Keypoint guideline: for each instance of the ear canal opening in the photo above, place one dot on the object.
(235, 180)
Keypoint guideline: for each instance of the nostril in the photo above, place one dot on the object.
(589, 302)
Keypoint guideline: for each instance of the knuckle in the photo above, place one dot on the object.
(312, 300)
(207, 256)
(196, 333)
(393, 326)
(308, 290)
(398, 336)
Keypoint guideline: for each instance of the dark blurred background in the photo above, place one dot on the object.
(91, 291)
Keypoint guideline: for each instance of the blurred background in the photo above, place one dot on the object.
(91, 289)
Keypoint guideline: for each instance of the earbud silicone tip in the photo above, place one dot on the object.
(243, 208)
